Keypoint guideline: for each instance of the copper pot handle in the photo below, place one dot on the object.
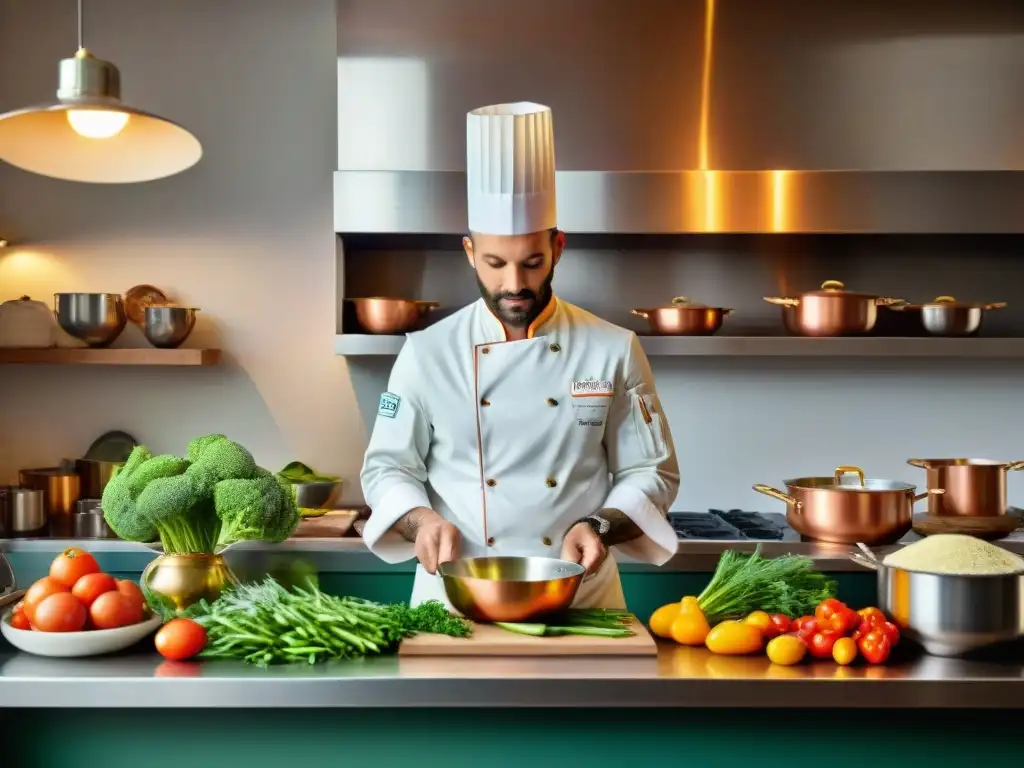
(885, 301)
(926, 494)
(848, 470)
(1013, 466)
(640, 313)
(995, 305)
(920, 463)
(782, 302)
(767, 490)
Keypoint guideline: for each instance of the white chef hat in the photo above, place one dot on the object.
(510, 169)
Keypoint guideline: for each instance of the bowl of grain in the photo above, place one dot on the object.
(953, 594)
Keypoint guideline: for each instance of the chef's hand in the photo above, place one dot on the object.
(437, 540)
(582, 545)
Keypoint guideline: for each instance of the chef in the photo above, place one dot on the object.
(520, 425)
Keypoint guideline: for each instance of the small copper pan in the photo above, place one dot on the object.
(974, 487)
(684, 318)
(391, 316)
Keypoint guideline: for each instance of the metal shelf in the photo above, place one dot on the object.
(360, 345)
(110, 356)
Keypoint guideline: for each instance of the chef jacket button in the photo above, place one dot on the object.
(554, 348)
(484, 401)
(546, 541)
(551, 482)
(552, 402)
(491, 482)
(485, 350)
(490, 542)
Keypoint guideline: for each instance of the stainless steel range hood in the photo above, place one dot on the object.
(694, 115)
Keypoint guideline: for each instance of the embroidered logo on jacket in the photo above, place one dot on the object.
(592, 388)
(389, 405)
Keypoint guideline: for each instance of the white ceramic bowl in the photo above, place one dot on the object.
(77, 644)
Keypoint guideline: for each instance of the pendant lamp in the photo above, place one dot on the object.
(88, 134)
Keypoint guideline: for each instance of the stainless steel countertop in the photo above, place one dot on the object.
(678, 677)
(351, 555)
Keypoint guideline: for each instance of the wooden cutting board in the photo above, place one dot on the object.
(488, 640)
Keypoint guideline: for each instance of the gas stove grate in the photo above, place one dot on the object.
(726, 525)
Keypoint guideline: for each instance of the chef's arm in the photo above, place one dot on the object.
(643, 465)
(394, 473)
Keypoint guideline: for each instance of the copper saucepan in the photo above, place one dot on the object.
(973, 487)
(391, 316)
(831, 311)
(839, 511)
(684, 318)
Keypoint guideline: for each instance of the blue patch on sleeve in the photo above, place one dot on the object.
(389, 405)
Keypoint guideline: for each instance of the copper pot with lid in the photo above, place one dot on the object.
(846, 508)
(973, 487)
(945, 316)
(383, 315)
(684, 318)
(831, 311)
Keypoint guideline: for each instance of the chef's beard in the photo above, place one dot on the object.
(518, 318)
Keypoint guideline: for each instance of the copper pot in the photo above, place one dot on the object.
(391, 316)
(683, 318)
(973, 487)
(61, 489)
(831, 311)
(840, 511)
(948, 317)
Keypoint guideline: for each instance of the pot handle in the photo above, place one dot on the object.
(995, 305)
(782, 302)
(1013, 466)
(929, 492)
(848, 470)
(860, 559)
(767, 490)
(884, 301)
(640, 313)
(680, 301)
(922, 464)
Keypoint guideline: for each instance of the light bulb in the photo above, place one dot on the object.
(97, 123)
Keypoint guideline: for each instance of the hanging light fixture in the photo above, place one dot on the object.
(90, 135)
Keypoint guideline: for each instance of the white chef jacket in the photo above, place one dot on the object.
(515, 441)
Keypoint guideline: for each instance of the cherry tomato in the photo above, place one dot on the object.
(91, 586)
(827, 608)
(180, 639)
(38, 592)
(71, 565)
(845, 621)
(763, 622)
(872, 617)
(132, 591)
(844, 651)
(112, 609)
(805, 623)
(891, 632)
(874, 646)
(822, 643)
(59, 612)
(20, 621)
(783, 624)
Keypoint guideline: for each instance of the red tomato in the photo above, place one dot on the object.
(91, 586)
(874, 646)
(132, 591)
(827, 608)
(782, 623)
(805, 623)
(20, 621)
(180, 639)
(891, 632)
(71, 565)
(60, 612)
(872, 617)
(845, 621)
(112, 609)
(822, 643)
(38, 592)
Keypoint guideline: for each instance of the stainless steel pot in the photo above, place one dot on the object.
(950, 615)
(948, 317)
(831, 311)
(391, 316)
(27, 511)
(973, 487)
(684, 318)
(846, 510)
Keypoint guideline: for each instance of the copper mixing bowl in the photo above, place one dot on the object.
(391, 316)
(510, 588)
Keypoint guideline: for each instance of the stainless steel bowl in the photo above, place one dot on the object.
(318, 496)
(510, 588)
(952, 615)
(95, 318)
(168, 327)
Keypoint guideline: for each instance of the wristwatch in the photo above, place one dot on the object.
(599, 524)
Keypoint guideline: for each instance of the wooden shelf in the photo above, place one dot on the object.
(361, 345)
(118, 356)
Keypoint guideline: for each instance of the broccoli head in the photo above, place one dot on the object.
(215, 458)
(261, 508)
(118, 502)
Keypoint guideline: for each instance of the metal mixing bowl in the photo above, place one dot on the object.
(510, 588)
(168, 327)
(325, 495)
(952, 615)
(95, 318)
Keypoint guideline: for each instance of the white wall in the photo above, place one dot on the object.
(246, 235)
